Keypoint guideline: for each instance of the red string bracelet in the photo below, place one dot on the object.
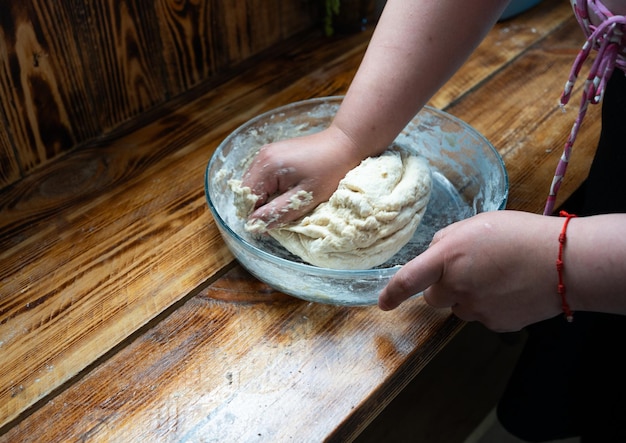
(569, 315)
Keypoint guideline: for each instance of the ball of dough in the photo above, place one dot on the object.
(370, 217)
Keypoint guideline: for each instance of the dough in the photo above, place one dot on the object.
(370, 217)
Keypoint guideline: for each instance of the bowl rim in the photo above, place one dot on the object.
(317, 270)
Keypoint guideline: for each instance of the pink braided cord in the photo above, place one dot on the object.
(609, 41)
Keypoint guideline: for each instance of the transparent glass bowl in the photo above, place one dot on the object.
(468, 177)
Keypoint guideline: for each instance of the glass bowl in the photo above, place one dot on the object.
(468, 177)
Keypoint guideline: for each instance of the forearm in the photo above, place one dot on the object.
(595, 263)
(416, 48)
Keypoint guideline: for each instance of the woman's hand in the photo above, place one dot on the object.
(282, 171)
(497, 268)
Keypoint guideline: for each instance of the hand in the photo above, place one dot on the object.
(314, 164)
(497, 268)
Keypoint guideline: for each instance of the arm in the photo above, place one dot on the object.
(415, 49)
(499, 268)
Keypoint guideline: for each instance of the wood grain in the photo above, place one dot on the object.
(73, 71)
(518, 111)
(116, 317)
(42, 90)
(9, 167)
(122, 58)
(501, 47)
(235, 371)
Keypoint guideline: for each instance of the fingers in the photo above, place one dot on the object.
(262, 177)
(291, 177)
(414, 277)
(285, 208)
(279, 199)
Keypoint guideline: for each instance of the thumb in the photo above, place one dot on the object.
(414, 277)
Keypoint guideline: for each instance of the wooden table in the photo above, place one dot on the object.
(123, 316)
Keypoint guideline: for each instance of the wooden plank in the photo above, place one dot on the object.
(95, 274)
(203, 39)
(236, 370)
(9, 167)
(190, 51)
(42, 89)
(9, 164)
(511, 38)
(530, 129)
(72, 71)
(501, 46)
(122, 56)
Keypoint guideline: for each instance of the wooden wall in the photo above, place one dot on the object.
(74, 70)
